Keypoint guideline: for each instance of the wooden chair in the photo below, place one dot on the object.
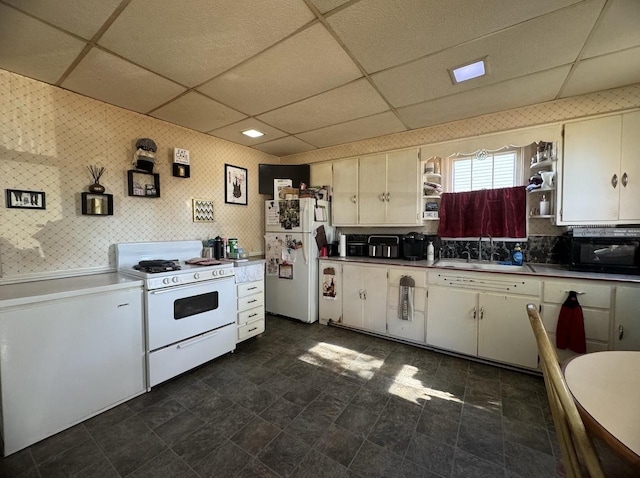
(578, 453)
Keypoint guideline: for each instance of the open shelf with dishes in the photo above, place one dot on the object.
(542, 197)
(431, 188)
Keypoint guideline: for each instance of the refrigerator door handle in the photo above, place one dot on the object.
(304, 250)
(306, 227)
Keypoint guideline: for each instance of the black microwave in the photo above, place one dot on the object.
(615, 251)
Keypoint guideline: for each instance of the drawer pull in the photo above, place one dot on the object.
(255, 328)
(252, 301)
(252, 288)
(123, 305)
(475, 312)
(620, 332)
(253, 315)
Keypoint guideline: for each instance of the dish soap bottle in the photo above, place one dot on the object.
(517, 255)
(430, 253)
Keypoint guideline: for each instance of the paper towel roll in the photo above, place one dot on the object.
(342, 248)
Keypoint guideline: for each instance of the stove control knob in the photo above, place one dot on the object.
(196, 276)
(221, 272)
(175, 280)
(166, 280)
(215, 273)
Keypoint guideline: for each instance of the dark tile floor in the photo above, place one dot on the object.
(313, 401)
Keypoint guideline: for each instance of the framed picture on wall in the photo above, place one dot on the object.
(21, 199)
(235, 185)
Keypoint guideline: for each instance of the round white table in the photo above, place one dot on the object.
(606, 387)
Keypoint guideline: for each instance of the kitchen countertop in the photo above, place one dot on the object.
(251, 260)
(538, 270)
(25, 293)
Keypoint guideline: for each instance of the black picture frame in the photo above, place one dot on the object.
(235, 185)
(23, 199)
(143, 190)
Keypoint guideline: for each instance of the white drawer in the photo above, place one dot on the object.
(250, 288)
(250, 301)
(590, 295)
(250, 315)
(175, 359)
(250, 329)
(420, 277)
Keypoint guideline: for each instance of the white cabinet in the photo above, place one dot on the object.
(388, 189)
(380, 189)
(483, 315)
(250, 297)
(364, 297)
(330, 292)
(344, 207)
(626, 325)
(66, 360)
(595, 301)
(413, 329)
(601, 174)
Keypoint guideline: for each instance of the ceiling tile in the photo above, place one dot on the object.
(233, 132)
(284, 146)
(82, 18)
(191, 42)
(33, 49)
(604, 72)
(428, 78)
(325, 6)
(527, 90)
(362, 128)
(306, 64)
(385, 33)
(348, 102)
(198, 112)
(108, 78)
(619, 29)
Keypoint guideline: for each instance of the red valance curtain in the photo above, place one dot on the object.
(489, 212)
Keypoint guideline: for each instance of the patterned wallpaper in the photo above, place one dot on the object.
(48, 137)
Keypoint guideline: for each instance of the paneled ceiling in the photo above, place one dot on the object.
(316, 73)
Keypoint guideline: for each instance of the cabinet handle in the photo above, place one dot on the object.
(381, 197)
(388, 197)
(353, 199)
(614, 180)
(251, 330)
(579, 292)
(475, 312)
(481, 313)
(252, 315)
(620, 332)
(252, 288)
(123, 305)
(625, 179)
(252, 301)
(365, 295)
(196, 340)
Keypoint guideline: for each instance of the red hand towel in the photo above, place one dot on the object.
(570, 329)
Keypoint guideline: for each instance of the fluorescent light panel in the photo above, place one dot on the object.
(253, 133)
(467, 72)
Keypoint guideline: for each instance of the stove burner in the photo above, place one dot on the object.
(155, 266)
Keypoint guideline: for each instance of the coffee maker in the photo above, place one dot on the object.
(413, 246)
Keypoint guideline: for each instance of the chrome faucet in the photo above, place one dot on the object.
(468, 255)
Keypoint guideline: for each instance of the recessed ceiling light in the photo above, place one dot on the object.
(253, 133)
(467, 72)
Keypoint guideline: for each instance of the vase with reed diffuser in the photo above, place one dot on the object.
(96, 174)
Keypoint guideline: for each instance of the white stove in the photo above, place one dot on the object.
(190, 312)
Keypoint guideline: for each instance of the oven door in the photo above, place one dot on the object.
(181, 312)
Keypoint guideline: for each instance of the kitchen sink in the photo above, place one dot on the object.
(481, 266)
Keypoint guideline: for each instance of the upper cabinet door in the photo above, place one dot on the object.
(402, 187)
(630, 168)
(344, 210)
(591, 168)
(373, 189)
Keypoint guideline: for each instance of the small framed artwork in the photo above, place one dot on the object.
(235, 185)
(18, 198)
(202, 210)
(285, 271)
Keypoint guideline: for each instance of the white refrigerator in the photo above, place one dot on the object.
(291, 253)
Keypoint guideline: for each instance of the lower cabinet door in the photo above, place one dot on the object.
(452, 319)
(504, 331)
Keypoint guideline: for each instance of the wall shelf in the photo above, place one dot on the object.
(141, 185)
(97, 204)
